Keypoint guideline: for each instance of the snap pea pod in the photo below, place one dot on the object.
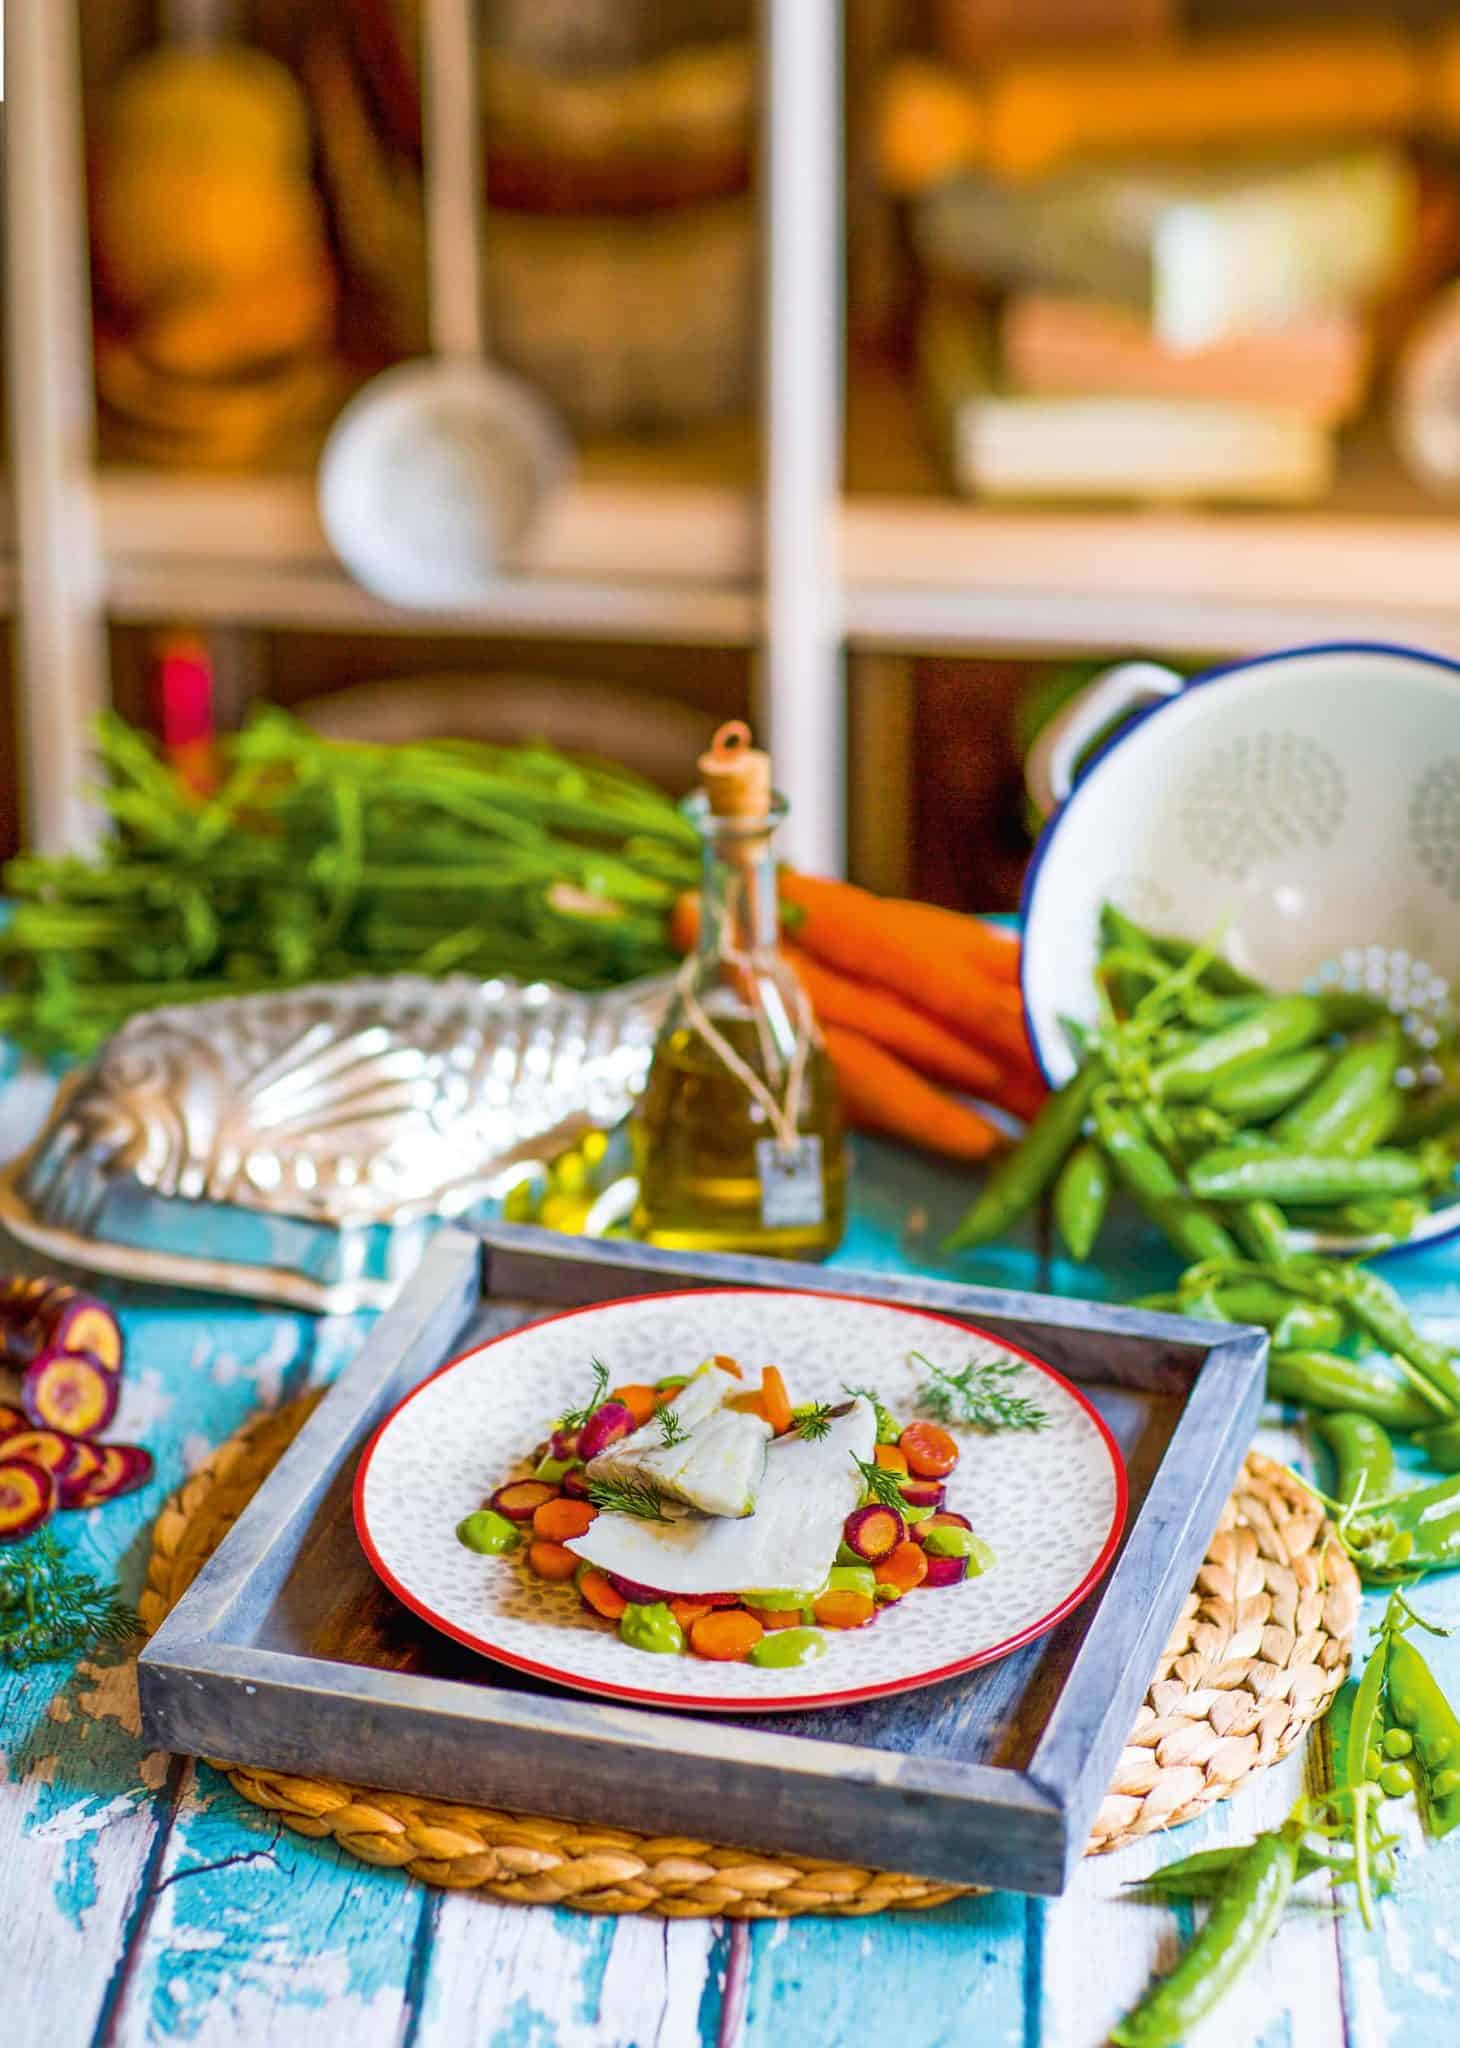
(1308, 1325)
(1261, 1228)
(1360, 1076)
(1410, 1534)
(1396, 1219)
(1150, 1177)
(1361, 1451)
(1240, 1173)
(1118, 929)
(1023, 1175)
(1081, 1198)
(1257, 1093)
(1273, 1307)
(1366, 1723)
(1418, 1704)
(1370, 1127)
(1283, 1025)
(1324, 1380)
(1373, 1304)
(1243, 1917)
(1204, 1874)
(1441, 1446)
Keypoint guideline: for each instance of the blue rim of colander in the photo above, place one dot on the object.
(1127, 731)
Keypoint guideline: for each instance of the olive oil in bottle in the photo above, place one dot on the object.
(738, 1136)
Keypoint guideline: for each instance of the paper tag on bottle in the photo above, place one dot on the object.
(790, 1182)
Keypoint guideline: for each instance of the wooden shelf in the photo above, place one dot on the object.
(927, 570)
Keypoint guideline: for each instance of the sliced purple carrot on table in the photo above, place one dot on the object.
(56, 1449)
(27, 1497)
(124, 1467)
(69, 1390)
(87, 1460)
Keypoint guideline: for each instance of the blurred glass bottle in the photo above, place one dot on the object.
(738, 1136)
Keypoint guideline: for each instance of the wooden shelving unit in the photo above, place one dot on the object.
(798, 540)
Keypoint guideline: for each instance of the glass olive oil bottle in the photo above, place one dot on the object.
(738, 1136)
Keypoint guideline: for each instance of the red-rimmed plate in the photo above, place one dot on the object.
(1051, 1502)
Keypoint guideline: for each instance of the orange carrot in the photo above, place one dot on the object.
(640, 1402)
(726, 1364)
(687, 1612)
(890, 1458)
(749, 1404)
(843, 1610)
(728, 1635)
(983, 947)
(551, 1561)
(558, 1521)
(880, 1094)
(684, 921)
(772, 1618)
(860, 934)
(604, 1597)
(923, 1042)
(905, 1567)
(775, 1400)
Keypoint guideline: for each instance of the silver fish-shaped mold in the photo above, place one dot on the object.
(302, 1144)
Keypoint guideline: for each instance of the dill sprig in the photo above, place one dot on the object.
(576, 1417)
(978, 1394)
(813, 1421)
(637, 1497)
(881, 1484)
(672, 1431)
(50, 1610)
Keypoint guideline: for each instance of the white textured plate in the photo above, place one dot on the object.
(1052, 1502)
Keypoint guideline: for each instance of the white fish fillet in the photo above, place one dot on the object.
(717, 1468)
(790, 1541)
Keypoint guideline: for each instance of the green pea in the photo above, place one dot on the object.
(948, 1540)
(1403, 1709)
(1373, 1761)
(488, 1533)
(1395, 1780)
(671, 1382)
(912, 1514)
(1398, 1742)
(651, 1627)
(552, 1469)
(1444, 1783)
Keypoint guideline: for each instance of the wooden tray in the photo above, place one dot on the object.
(288, 1653)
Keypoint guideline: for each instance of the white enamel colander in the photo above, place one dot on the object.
(1305, 806)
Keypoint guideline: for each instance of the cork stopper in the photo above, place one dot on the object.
(736, 775)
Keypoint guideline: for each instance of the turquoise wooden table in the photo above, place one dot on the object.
(142, 1900)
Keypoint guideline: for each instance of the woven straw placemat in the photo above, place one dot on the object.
(1262, 1645)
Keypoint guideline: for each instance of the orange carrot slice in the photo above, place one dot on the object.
(890, 1458)
(905, 1567)
(551, 1561)
(844, 1610)
(639, 1400)
(931, 1452)
(558, 1521)
(687, 1612)
(603, 1596)
(775, 1400)
(727, 1636)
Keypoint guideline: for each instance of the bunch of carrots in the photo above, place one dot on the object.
(919, 1008)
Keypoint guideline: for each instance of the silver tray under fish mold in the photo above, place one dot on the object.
(287, 1652)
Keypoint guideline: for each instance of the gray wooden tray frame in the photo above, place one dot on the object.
(234, 1673)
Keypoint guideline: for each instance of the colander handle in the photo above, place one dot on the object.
(1131, 686)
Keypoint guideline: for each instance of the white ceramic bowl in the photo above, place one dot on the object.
(1305, 805)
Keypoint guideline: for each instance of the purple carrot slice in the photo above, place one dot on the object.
(923, 1493)
(46, 1315)
(945, 1571)
(69, 1390)
(12, 1419)
(88, 1460)
(944, 1519)
(124, 1467)
(27, 1498)
(610, 1421)
(520, 1500)
(574, 1483)
(53, 1448)
(873, 1532)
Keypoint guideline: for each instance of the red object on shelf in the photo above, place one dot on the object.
(183, 709)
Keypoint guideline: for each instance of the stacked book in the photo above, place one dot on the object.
(1169, 330)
